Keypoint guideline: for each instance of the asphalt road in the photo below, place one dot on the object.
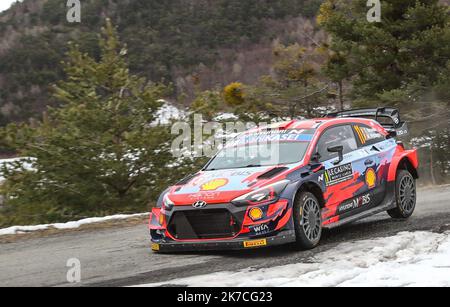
(121, 256)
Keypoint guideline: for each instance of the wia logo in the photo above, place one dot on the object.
(261, 228)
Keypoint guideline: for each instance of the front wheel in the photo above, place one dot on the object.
(308, 221)
(405, 196)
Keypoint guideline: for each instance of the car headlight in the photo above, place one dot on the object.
(168, 204)
(262, 195)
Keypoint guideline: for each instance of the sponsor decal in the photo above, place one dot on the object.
(321, 178)
(255, 243)
(356, 203)
(371, 133)
(207, 195)
(155, 247)
(402, 131)
(260, 229)
(338, 174)
(240, 174)
(210, 176)
(371, 178)
(366, 134)
(256, 214)
(214, 184)
(275, 136)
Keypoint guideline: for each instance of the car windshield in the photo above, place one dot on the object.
(267, 149)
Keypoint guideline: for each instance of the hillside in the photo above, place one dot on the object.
(97, 154)
(190, 43)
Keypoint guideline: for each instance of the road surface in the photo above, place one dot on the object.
(121, 256)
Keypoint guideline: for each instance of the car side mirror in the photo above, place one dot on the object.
(392, 134)
(339, 150)
(315, 158)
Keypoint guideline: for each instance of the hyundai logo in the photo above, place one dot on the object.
(199, 204)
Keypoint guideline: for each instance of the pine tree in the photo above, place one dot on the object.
(338, 69)
(402, 61)
(393, 61)
(296, 86)
(98, 153)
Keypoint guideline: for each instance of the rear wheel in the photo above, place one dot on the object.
(308, 221)
(405, 195)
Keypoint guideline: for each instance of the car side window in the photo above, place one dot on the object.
(336, 136)
(368, 135)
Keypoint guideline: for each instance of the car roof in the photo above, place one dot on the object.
(314, 124)
(291, 125)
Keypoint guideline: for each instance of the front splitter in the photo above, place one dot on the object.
(284, 237)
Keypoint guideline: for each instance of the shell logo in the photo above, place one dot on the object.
(214, 184)
(371, 178)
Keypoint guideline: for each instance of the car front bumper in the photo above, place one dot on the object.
(281, 238)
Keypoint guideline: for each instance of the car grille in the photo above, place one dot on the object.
(203, 224)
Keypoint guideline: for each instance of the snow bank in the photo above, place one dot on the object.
(407, 259)
(69, 225)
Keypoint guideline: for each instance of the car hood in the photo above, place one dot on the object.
(222, 186)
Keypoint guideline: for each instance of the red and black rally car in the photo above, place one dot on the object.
(286, 182)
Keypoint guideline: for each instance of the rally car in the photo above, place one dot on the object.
(285, 183)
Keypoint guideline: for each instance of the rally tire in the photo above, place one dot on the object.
(307, 221)
(405, 196)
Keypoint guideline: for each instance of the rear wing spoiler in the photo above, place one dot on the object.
(389, 118)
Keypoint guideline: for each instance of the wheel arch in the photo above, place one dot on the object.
(405, 164)
(407, 160)
(313, 188)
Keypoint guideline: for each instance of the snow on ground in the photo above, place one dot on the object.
(7, 162)
(6, 4)
(226, 117)
(407, 259)
(167, 113)
(69, 225)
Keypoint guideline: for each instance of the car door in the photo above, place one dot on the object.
(344, 193)
(376, 152)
